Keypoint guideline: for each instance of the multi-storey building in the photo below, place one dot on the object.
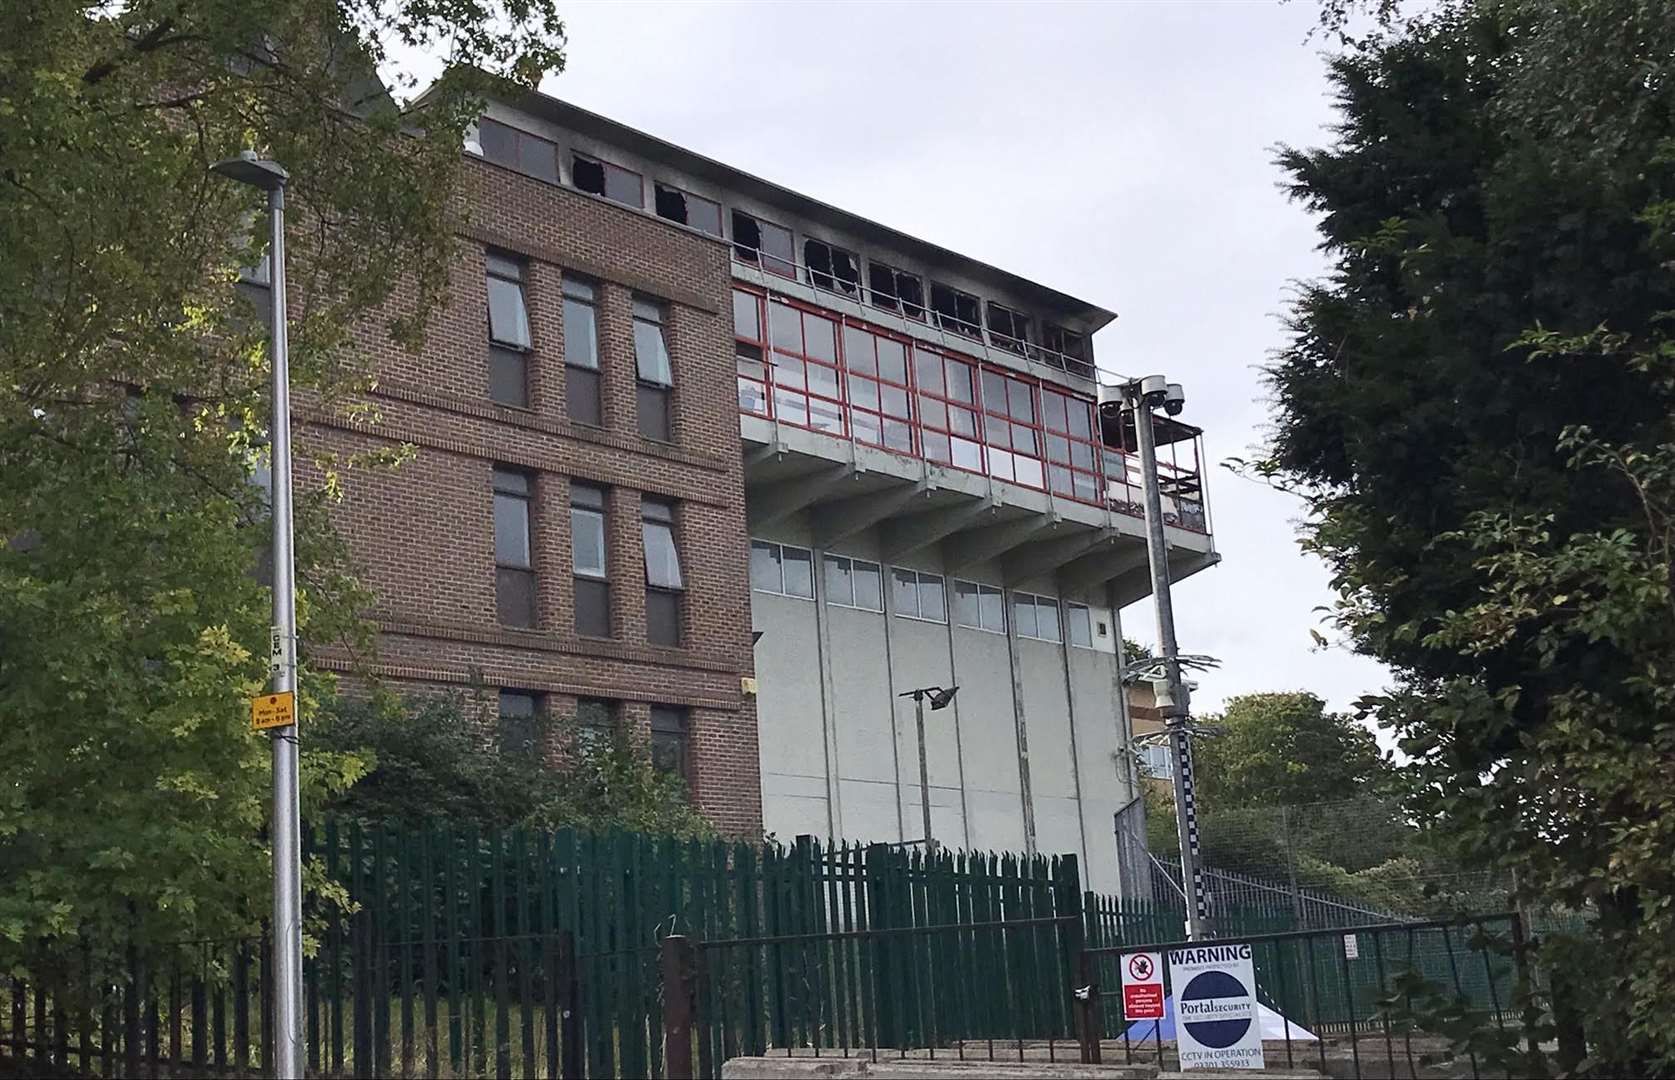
(742, 469)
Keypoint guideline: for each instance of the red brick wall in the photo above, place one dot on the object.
(422, 535)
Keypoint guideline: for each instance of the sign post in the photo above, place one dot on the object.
(1142, 986)
(1216, 1021)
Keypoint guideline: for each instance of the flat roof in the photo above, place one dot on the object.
(593, 125)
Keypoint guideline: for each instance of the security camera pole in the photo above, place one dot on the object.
(1144, 395)
(939, 700)
(286, 830)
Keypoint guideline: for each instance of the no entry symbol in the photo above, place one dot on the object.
(1140, 967)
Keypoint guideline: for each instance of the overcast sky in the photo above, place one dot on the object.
(1121, 152)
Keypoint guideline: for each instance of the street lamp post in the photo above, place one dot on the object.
(286, 831)
(1145, 395)
(939, 699)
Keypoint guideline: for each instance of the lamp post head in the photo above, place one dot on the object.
(247, 168)
(936, 695)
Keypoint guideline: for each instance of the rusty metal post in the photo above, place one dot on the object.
(679, 992)
(1089, 1025)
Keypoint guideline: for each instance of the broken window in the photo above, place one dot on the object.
(1008, 329)
(831, 267)
(896, 290)
(528, 154)
(689, 209)
(1062, 344)
(955, 310)
(612, 181)
(764, 243)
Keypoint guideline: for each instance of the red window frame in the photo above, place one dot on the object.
(881, 409)
(943, 437)
(750, 355)
(797, 362)
(1073, 458)
(1007, 424)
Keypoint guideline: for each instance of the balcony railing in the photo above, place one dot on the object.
(814, 368)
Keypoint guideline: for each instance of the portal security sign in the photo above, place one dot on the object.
(1216, 1023)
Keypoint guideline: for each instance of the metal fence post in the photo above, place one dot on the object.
(679, 991)
(1090, 1027)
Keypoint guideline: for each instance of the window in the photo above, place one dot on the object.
(955, 310)
(1063, 344)
(589, 560)
(519, 727)
(880, 406)
(1035, 616)
(748, 350)
(663, 577)
(1079, 624)
(651, 358)
(514, 569)
(1008, 329)
(688, 209)
(1155, 761)
(1009, 429)
(853, 583)
(764, 243)
(781, 569)
(918, 595)
(807, 391)
(981, 607)
(508, 331)
(669, 741)
(1072, 452)
(581, 351)
(528, 154)
(831, 267)
(948, 409)
(896, 290)
(612, 181)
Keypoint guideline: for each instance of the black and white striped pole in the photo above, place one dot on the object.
(1144, 396)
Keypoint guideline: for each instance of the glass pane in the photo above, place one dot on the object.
(652, 407)
(820, 338)
(668, 752)
(904, 592)
(1081, 625)
(703, 215)
(822, 379)
(993, 606)
(507, 384)
(581, 334)
(932, 602)
(499, 142)
(623, 186)
(895, 402)
(752, 397)
(1058, 478)
(1023, 440)
(857, 351)
(1058, 449)
(994, 392)
(892, 360)
(1047, 618)
(662, 561)
(508, 321)
(1084, 486)
(593, 607)
(747, 316)
(1027, 470)
(898, 436)
(962, 422)
(786, 326)
(514, 596)
(799, 572)
(1081, 456)
(662, 618)
(651, 353)
(825, 415)
(765, 568)
(968, 455)
(840, 581)
(927, 371)
(791, 407)
(1020, 400)
(587, 541)
(863, 392)
(776, 241)
(1023, 614)
(996, 431)
(1079, 419)
(865, 426)
(511, 530)
(538, 158)
(1000, 464)
(937, 448)
(959, 382)
(868, 586)
(1052, 410)
(581, 396)
(967, 611)
(933, 412)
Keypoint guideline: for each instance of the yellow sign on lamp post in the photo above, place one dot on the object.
(273, 710)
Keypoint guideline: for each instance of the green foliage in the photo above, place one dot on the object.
(1476, 403)
(133, 382)
(1285, 749)
(437, 758)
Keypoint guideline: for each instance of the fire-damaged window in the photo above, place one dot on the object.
(955, 310)
(831, 267)
(689, 209)
(764, 242)
(612, 181)
(1064, 342)
(896, 290)
(1008, 329)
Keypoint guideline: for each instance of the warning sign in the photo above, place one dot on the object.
(1216, 1023)
(1142, 986)
(273, 710)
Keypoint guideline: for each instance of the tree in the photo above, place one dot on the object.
(1285, 749)
(132, 397)
(1475, 403)
(436, 759)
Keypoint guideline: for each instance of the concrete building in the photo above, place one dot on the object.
(675, 409)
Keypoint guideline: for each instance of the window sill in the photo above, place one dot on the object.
(786, 595)
(980, 629)
(920, 618)
(855, 607)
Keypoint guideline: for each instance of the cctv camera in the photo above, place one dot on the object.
(1174, 399)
